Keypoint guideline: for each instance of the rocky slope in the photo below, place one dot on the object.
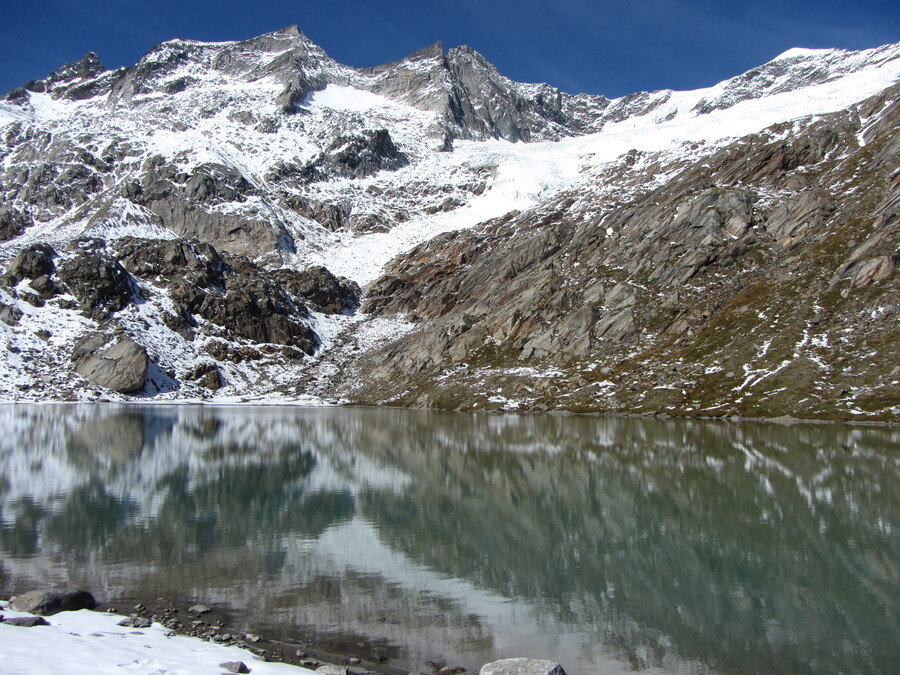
(202, 224)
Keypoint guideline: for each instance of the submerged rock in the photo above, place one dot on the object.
(522, 667)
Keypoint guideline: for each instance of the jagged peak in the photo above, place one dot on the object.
(87, 66)
(434, 50)
(291, 31)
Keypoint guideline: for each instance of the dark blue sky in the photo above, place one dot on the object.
(611, 47)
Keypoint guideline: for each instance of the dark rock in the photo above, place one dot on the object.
(45, 287)
(121, 368)
(522, 667)
(13, 223)
(32, 299)
(235, 667)
(167, 259)
(26, 621)
(206, 375)
(317, 285)
(136, 622)
(46, 603)
(69, 81)
(100, 283)
(10, 314)
(33, 261)
(355, 157)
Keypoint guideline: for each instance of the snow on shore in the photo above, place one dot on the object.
(92, 643)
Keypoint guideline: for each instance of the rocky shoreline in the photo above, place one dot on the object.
(216, 624)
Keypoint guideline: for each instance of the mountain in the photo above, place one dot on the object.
(254, 221)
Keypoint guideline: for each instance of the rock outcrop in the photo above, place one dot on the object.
(673, 303)
(121, 367)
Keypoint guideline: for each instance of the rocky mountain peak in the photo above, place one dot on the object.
(220, 205)
(435, 50)
(63, 79)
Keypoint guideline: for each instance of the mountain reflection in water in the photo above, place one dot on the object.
(607, 544)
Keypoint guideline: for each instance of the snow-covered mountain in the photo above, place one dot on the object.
(219, 207)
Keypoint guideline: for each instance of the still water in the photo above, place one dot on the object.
(610, 545)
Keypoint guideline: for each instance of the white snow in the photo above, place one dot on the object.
(339, 97)
(523, 175)
(91, 643)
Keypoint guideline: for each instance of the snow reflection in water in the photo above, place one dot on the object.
(608, 544)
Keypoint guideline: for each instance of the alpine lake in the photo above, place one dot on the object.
(607, 544)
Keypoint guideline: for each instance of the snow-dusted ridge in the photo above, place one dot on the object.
(269, 149)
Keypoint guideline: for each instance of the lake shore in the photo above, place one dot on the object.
(219, 625)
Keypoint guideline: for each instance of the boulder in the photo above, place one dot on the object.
(10, 314)
(121, 368)
(135, 622)
(235, 667)
(522, 667)
(100, 284)
(45, 603)
(33, 261)
(27, 621)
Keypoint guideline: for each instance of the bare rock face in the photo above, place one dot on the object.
(121, 368)
(191, 206)
(477, 102)
(13, 223)
(99, 282)
(331, 294)
(522, 667)
(46, 603)
(356, 156)
(649, 305)
(34, 261)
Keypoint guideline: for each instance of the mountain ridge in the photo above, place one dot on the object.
(220, 205)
